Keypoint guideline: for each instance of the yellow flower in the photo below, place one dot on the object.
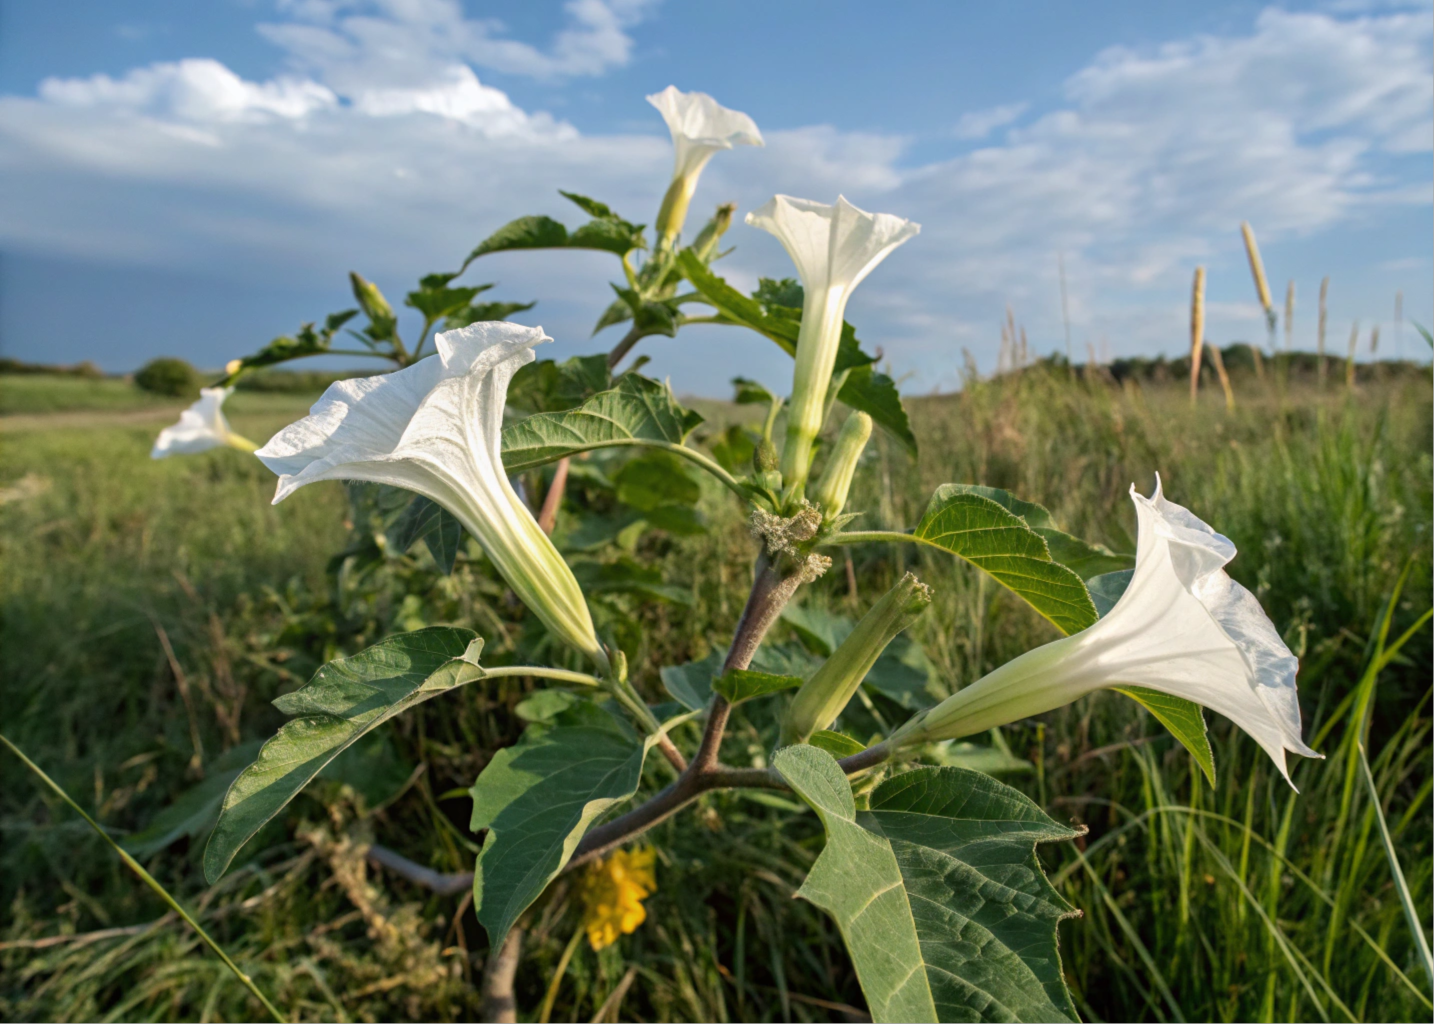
(612, 892)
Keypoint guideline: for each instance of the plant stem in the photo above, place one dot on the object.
(542, 672)
(771, 591)
(548, 517)
(623, 347)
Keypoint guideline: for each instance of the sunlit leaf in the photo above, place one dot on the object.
(345, 699)
(537, 798)
(638, 410)
(937, 892)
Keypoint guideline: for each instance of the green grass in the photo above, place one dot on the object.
(1246, 902)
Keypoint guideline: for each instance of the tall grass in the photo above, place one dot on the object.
(1245, 902)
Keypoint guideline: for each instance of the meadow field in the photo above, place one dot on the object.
(150, 611)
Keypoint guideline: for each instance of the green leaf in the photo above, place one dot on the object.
(691, 684)
(591, 207)
(305, 342)
(548, 386)
(628, 576)
(990, 760)
(875, 394)
(1106, 589)
(1083, 558)
(538, 797)
(734, 450)
(655, 479)
(437, 302)
(837, 744)
(430, 522)
(637, 411)
(744, 684)
(606, 232)
(483, 311)
(345, 699)
(652, 316)
(980, 530)
(1183, 718)
(750, 392)
(193, 811)
(938, 893)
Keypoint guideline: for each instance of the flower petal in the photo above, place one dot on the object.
(700, 126)
(202, 426)
(832, 246)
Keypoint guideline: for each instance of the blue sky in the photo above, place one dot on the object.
(194, 179)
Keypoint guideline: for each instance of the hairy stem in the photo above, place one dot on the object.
(623, 347)
(548, 517)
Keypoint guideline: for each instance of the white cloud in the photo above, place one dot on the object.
(352, 44)
(190, 90)
(383, 142)
(977, 124)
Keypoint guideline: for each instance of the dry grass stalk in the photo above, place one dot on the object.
(1218, 361)
(1258, 358)
(1374, 341)
(1349, 363)
(1323, 321)
(1257, 271)
(1197, 329)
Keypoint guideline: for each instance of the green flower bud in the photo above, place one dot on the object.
(764, 456)
(831, 687)
(830, 495)
(705, 244)
(370, 299)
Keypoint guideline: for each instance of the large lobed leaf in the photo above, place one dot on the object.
(345, 699)
(537, 799)
(985, 533)
(638, 410)
(426, 520)
(937, 892)
(1085, 559)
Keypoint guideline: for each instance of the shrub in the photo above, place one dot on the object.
(168, 376)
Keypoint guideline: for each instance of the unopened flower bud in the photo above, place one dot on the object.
(370, 299)
(831, 687)
(764, 456)
(705, 244)
(830, 495)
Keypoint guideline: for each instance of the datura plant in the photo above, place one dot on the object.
(929, 871)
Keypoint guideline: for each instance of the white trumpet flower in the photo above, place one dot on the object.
(436, 428)
(834, 248)
(1182, 627)
(202, 426)
(700, 126)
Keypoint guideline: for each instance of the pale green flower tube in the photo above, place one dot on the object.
(202, 426)
(1182, 627)
(700, 126)
(834, 248)
(829, 690)
(830, 495)
(436, 428)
